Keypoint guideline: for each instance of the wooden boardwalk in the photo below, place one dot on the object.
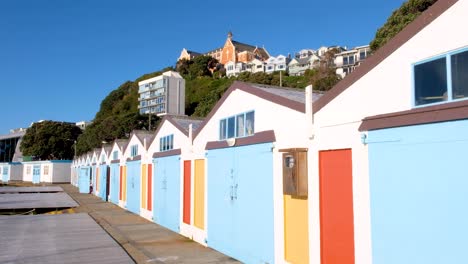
(67, 238)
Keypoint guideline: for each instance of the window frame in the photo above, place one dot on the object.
(236, 134)
(448, 72)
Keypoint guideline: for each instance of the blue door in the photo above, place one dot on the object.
(167, 192)
(5, 174)
(36, 174)
(240, 202)
(93, 177)
(103, 182)
(133, 186)
(84, 180)
(115, 183)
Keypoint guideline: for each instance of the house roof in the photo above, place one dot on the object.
(142, 135)
(288, 97)
(121, 143)
(184, 122)
(246, 47)
(13, 135)
(180, 122)
(385, 51)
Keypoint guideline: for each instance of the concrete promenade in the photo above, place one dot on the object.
(144, 241)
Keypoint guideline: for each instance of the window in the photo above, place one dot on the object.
(133, 150)
(441, 79)
(362, 55)
(115, 155)
(259, 66)
(166, 143)
(28, 170)
(103, 158)
(5, 170)
(46, 170)
(240, 125)
(345, 60)
(459, 67)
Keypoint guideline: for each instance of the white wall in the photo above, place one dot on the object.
(387, 88)
(290, 131)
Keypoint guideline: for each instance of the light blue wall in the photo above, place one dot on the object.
(83, 179)
(115, 183)
(133, 186)
(419, 193)
(166, 186)
(240, 202)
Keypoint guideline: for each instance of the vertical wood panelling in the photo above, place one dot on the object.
(199, 194)
(187, 191)
(336, 207)
(97, 179)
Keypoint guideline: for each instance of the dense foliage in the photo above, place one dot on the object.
(50, 140)
(398, 20)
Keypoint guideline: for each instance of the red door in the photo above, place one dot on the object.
(336, 207)
(150, 186)
(187, 189)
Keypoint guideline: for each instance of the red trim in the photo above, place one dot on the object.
(187, 191)
(424, 115)
(168, 153)
(150, 187)
(257, 138)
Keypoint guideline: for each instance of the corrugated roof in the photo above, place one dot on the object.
(13, 135)
(184, 122)
(297, 95)
(66, 238)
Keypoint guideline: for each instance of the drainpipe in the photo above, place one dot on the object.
(309, 111)
(190, 136)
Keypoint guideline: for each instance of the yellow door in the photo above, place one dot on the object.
(296, 230)
(199, 194)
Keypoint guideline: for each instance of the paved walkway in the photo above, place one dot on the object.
(144, 241)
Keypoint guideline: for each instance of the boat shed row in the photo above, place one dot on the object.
(369, 172)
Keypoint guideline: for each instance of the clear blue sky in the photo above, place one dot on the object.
(60, 58)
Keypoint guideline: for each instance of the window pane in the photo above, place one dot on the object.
(160, 144)
(230, 127)
(460, 75)
(240, 126)
(249, 123)
(171, 145)
(430, 82)
(222, 129)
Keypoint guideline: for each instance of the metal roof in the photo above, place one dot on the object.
(43, 189)
(297, 95)
(184, 122)
(66, 238)
(13, 135)
(36, 200)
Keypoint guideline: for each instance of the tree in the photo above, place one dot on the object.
(50, 140)
(399, 19)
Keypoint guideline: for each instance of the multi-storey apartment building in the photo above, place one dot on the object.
(164, 94)
(348, 60)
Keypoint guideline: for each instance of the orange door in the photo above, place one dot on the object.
(150, 187)
(336, 207)
(187, 191)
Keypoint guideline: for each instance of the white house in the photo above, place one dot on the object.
(241, 202)
(340, 223)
